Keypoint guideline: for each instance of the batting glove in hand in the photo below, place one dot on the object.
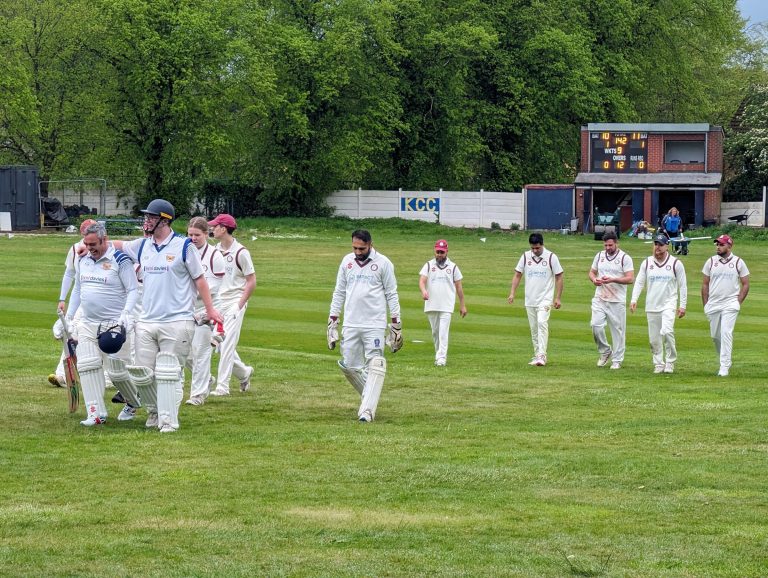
(395, 338)
(217, 334)
(333, 332)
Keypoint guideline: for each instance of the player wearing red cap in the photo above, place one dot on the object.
(724, 287)
(440, 284)
(235, 290)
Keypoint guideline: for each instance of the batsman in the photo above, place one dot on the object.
(365, 289)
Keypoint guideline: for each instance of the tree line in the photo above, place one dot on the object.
(280, 102)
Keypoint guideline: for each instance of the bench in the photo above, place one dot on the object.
(131, 227)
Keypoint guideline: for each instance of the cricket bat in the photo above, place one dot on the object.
(70, 367)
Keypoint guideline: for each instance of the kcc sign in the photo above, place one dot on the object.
(418, 204)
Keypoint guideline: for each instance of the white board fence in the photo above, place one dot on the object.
(453, 208)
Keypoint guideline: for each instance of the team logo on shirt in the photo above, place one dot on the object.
(170, 258)
(668, 267)
(349, 265)
(543, 263)
(374, 267)
(229, 258)
(106, 266)
(434, 269)
(731, 265)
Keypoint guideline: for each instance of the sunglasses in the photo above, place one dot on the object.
(440, 252)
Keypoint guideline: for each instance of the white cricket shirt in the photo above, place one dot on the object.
(441, 285)
(665, 280)
(724, 282)
(365, 291)
(617, 265)
(539, 273)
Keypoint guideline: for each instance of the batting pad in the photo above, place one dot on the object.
(354, 376)
(121, 379)
(91, 376)
(169, 389)
(144, 380)
(377, 369)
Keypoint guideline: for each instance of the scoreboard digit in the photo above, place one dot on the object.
(619, 152)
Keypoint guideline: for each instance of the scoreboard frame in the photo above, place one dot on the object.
(618, 152)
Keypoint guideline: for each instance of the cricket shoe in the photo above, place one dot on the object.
(669, 368)
(604, 358)
(57, 380)
(127, 413)
(534, 360)
(219, 392)
(658, 369)
(366, 416)
(93, 418)
(440, 362)
(151, 419)
(195, 400)
(616, 365)
(245, 383)
(167, 428)
(541, 360)
(723, 372)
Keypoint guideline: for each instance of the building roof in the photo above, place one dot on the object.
(658, 127)
(686, 180)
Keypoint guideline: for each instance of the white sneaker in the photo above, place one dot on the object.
(245, 384)
(127, 413)
(534, 360)
(167, 428)
(616, 365)
(658, 369)
(669, 368)
(723, 372)
(218, 392)
(94, 419)
(440, 362)
(604, 357)
(366, 416)
(151, 419)
(541, 360)
(196, 400)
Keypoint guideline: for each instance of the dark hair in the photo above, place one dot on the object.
(363, 235)
(610, 237)
(536, 239)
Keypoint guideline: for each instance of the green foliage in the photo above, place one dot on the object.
(747, 148)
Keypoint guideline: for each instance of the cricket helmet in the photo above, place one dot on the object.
(111, 338)
(162, 208)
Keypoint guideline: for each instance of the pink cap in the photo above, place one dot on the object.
(723, 239)
(224, 219)
(85, 224)
(441, 245)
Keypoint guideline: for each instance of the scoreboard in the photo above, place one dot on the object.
(619, 152)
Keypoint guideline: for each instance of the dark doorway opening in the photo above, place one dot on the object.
(684, 201)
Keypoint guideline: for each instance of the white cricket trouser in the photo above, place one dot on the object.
(614, 315)
(440, 321)
(721, 326)
(538, 320)
(230, 363)
(661, 334)
(87, 336)
(361, 344)
(170, 336)
(199, 361)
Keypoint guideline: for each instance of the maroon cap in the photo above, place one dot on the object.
(442, 245)
(724, 239)
(224, 219)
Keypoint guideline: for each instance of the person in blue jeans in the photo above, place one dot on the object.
(672, 224)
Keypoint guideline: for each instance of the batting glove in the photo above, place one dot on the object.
(333, 332)
(395, 338)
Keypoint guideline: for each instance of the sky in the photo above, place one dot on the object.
(755, 10)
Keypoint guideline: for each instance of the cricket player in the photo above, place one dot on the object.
(365, 289)
(71, 268)
(440, 284)
(106, 292)
(612, 270)
(199, 362)
(543, 290)
(723, 289)
(665, 277)
(234, 292)
(172, 275)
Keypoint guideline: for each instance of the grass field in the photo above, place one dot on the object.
(487, 467)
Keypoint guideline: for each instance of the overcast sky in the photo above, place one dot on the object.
(755, 10)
